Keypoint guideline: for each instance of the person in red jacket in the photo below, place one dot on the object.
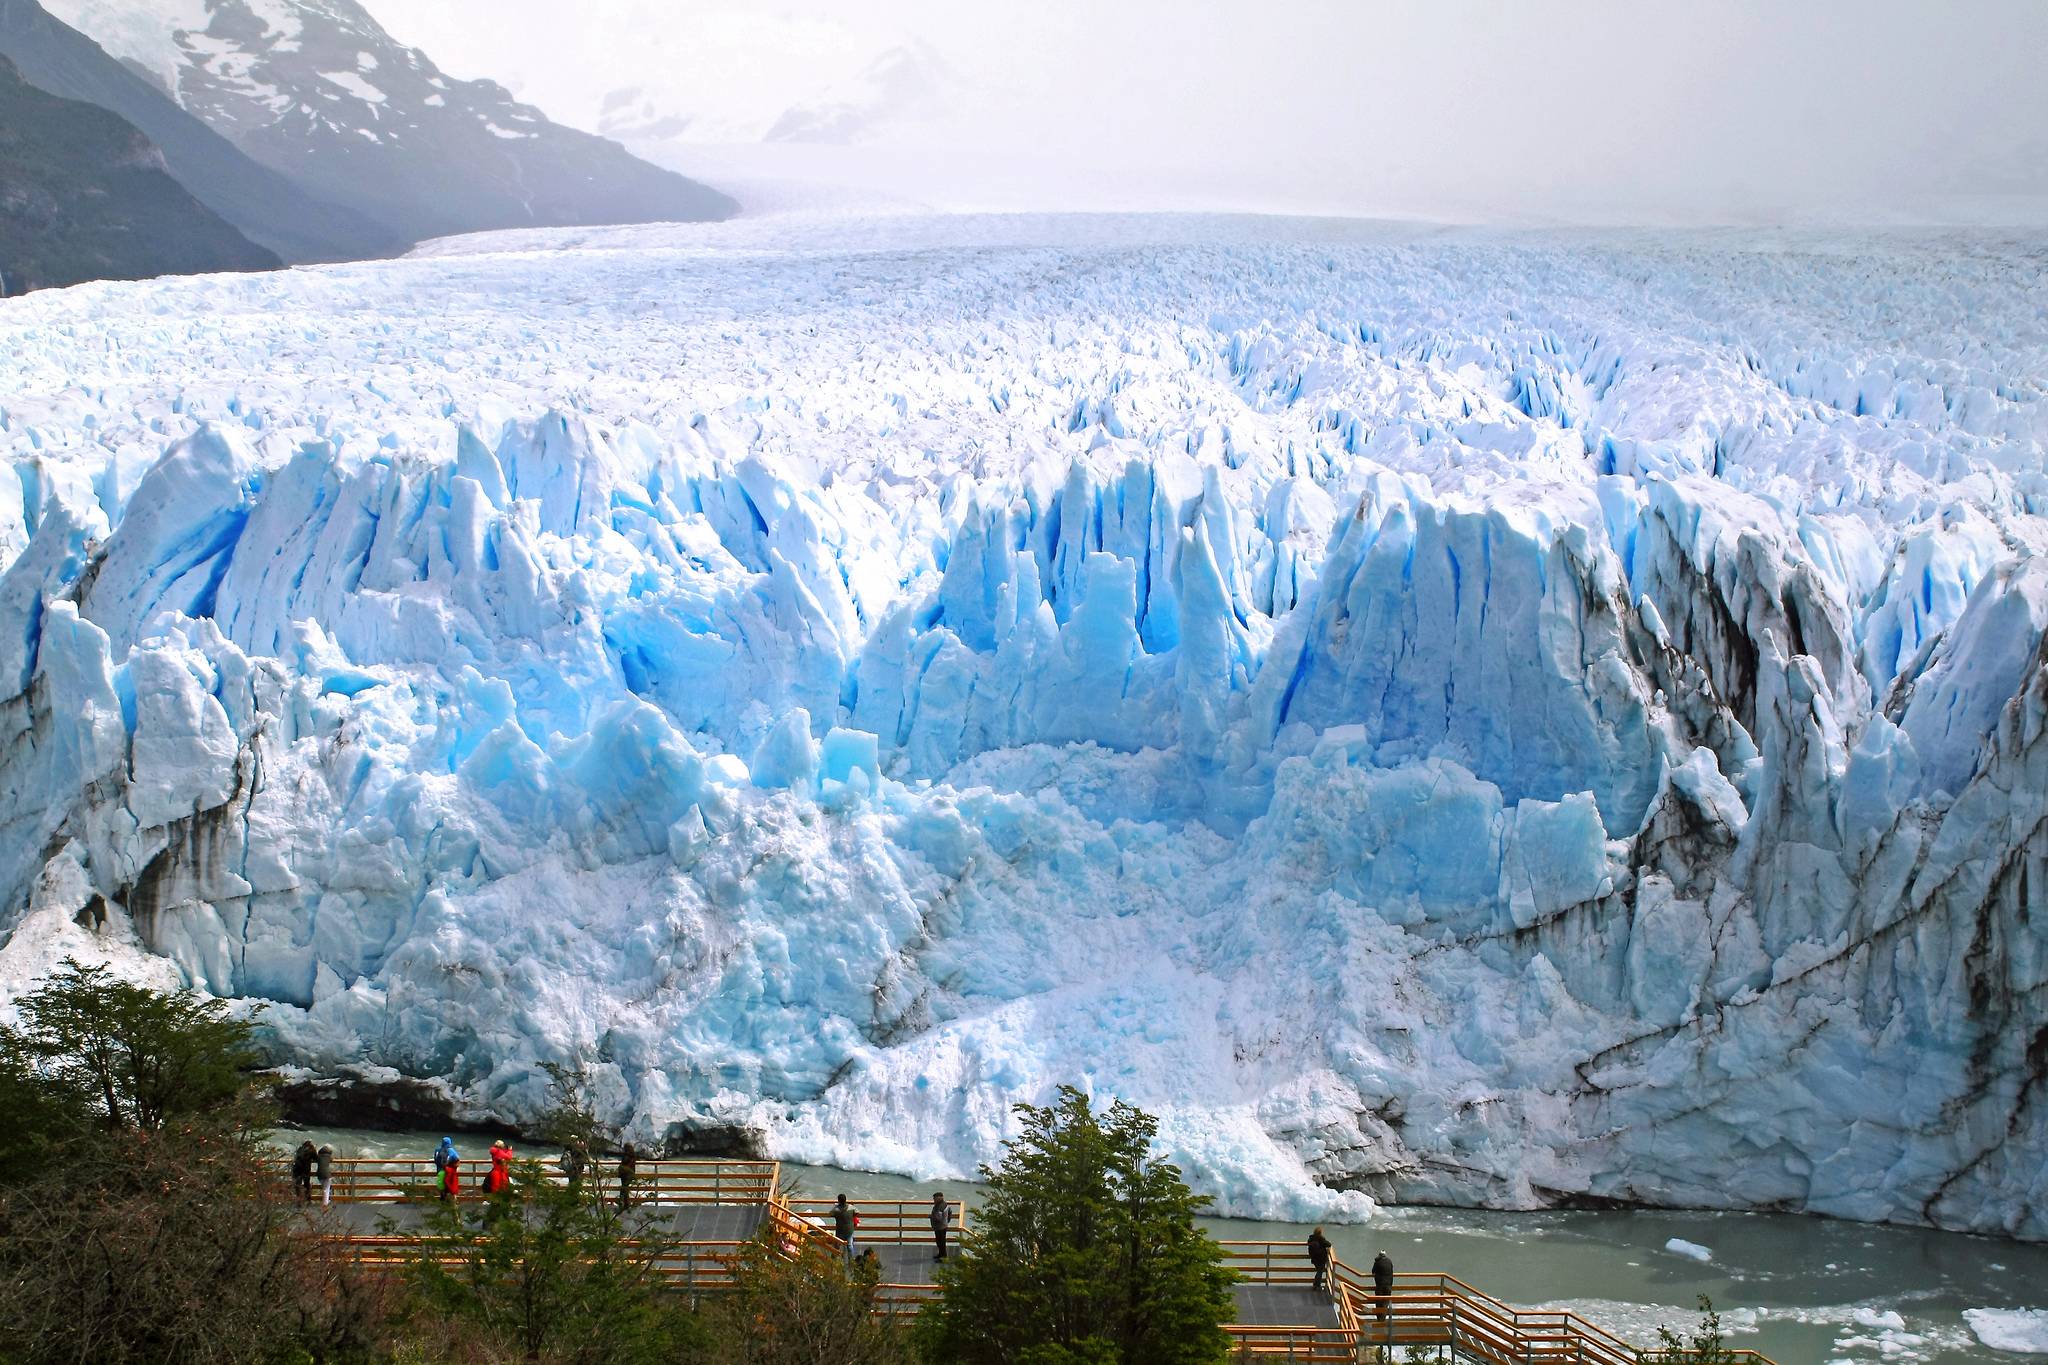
(500, 1177)
(449, 1165)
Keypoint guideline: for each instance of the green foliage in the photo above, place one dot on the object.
(172, 1246)
(131, 1057)
(571, 1121)
(40, 1117)
(1084, 1252)
(551, 1273)
(809, 1308)
(1705, 1345)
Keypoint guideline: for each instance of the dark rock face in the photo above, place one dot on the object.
(270, 209)
(390, 1104)
(715, 1139)
(85, 196)
(335, 102)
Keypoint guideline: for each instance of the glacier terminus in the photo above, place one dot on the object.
(1508, 719)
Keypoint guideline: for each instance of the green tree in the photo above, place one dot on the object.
(40, 1117)
(552, 1274)
(142, 1248)
(571, 1121)
(1084, 1252)
(133, 1057)
(805, 1307)
(1704, 1345)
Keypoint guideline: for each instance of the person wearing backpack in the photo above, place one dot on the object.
(629, 1165)
(302, 1173)
(1319, 1257)
(942, 1220)
(449, 1163)
(500, 1177)
(844, 1221)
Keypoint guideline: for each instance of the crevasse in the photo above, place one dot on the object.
(1477, 719)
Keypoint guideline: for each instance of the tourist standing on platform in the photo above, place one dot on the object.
(1319, 1257)
(844, 1221)
(323, 1171)
(500, 1177)
(942, 1219)
(302, 1173)
(1383, 1284)
(573, 1161)
(629, 1162)
(448, 1162)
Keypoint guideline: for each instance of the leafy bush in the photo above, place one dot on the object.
(1084, 1252)
(130, 1056)
(803, 1308)
(172, 1246)
(1705, 1345)
(549, 1272)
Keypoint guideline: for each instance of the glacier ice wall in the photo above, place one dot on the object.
(1523, 721)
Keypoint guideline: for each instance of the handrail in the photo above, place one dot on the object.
(894, 1221)
(383, 1180)
(1437, 1309)
(1425, 1309)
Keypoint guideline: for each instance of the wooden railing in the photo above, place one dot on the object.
(694, 1268)
(1440, 1310)
(1425, 1310)
(385, 1180)
(895, 1221)
(1285, 1265)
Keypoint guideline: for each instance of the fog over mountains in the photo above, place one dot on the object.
(319, 137)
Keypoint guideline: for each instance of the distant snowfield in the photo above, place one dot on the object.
(1432, 714)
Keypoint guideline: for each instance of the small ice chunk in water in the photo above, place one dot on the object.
(2024, 1330)
(1680, 1246)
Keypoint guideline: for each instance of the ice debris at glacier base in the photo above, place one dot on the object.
(1434, 716)
(2021, 1330)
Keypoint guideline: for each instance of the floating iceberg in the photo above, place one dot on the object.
(1435, 717)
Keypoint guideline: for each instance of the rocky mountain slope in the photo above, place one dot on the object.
(84, 196)
(317, 90)
(269, 208)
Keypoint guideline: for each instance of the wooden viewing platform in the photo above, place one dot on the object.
(704, 1211)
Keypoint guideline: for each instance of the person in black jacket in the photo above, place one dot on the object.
(629, 1163)
(302, 1173)
(1319, 1257)
(844, 1221)
(1383, 1284)
(942, 1219)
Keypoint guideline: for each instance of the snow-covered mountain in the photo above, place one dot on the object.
(1511, 720)
(272, 209)
(908, 87)
(906, 84)
(317, 90)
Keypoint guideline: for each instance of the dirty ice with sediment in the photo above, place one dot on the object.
(1519, 720)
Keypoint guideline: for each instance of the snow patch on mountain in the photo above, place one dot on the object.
(317, 90)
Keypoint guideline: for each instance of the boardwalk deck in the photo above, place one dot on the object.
(708, 1210)
(671, 1222)
(1267, 1305)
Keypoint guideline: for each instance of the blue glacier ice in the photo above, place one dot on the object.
(1435, 716)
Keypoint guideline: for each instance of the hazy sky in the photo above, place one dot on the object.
(1602, 111)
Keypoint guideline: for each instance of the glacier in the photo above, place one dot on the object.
(1506, 719)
